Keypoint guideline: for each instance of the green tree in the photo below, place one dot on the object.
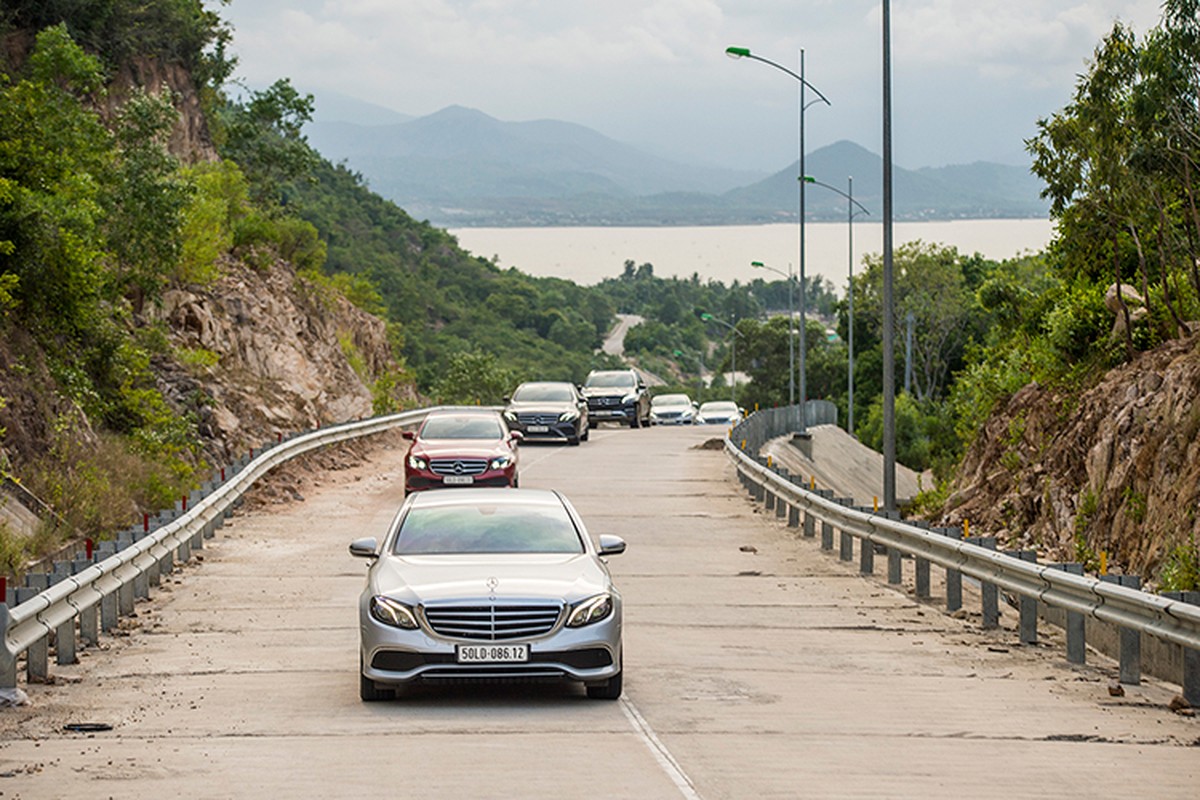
(474, 379)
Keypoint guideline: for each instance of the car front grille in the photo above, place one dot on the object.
(492, 622)
(604, 402)
(458, 466)
(537, 419)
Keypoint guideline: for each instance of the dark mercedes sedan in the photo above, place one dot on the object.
(548, 410)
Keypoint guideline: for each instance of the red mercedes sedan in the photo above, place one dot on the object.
(461, 447)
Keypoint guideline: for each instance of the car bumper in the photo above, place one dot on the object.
(609, 414)
(397, 656)
(560, 431)
(420, 481)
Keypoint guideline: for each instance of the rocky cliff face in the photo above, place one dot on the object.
(1116, 470)
(280, 355)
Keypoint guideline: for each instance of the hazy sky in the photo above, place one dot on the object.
(970, 77)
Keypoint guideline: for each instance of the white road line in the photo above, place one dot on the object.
(661, 754)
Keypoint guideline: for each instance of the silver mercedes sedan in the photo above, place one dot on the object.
(488, 584)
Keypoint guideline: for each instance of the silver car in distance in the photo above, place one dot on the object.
(486, 584)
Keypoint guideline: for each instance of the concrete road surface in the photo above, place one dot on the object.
(756, 667)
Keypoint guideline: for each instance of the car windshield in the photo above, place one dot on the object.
(672, 400)
(543, 393)
(718, 408)
(498, 528)
(611, 379)
(475, 426)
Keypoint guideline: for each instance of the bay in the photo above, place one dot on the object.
(588, 255)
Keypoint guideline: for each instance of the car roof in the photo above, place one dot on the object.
(545, 383)
(434, 498)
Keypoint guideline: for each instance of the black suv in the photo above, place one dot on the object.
(617, 395)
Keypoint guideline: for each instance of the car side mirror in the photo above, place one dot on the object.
(516, 436)
(611, 545)
(506, 400)
(364, 548)
(410, 435)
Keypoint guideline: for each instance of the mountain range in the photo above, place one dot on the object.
(459, 167)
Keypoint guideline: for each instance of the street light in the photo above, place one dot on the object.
(850, 214)
(704, 315)
(744, 52)
(791, 322)
(889, 365)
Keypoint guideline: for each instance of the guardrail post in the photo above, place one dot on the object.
(826, 535)
(1191, 658)
(108, 612)
(141, 586)
(781, 505)
(89, 626)
(990, 594)
(845, 546)
(866, 556)
(37, 662)
(1029, 607)
(793, 516)
(1131, 640)
(1076, 626)
(810, 525)
(125, 599)
(185, 551)
(768, 499)
(895, 570)
(64, 643)
(953, 576)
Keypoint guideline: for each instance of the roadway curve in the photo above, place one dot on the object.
(756, 666)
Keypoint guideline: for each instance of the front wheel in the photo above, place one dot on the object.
(369, 691)
(633, 423)
(609, 690)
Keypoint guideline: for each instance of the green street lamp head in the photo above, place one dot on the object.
(757, 264)
(807, 179)
(706, 316)
(737, 52)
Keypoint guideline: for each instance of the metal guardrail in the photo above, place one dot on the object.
(1171, 620)
(110, 584)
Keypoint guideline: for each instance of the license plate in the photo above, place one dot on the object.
(492, 653)
(539, 428)
(458, 480)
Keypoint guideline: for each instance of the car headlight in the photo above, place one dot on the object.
(416, 462)
(502, 462)
(392, 612)
(568, 416)
(591, 610)
(511, 416)
(629, 398)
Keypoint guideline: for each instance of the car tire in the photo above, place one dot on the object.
(369, 691)
(574, 441)
(633, 423)
(609, 690)
(583, 437)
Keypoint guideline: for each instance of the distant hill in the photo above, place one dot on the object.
(460, 167)
(972, 191)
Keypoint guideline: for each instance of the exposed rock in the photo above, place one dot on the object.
(1116, 469)
(282, 356)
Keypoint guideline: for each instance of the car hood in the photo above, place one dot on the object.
(546, 406)
(607, 391)
(524, 576)
(460, 448)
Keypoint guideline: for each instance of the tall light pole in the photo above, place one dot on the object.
(851, 213)
(791, 337)
(733, 356)
(889, 365)
(744, 52)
